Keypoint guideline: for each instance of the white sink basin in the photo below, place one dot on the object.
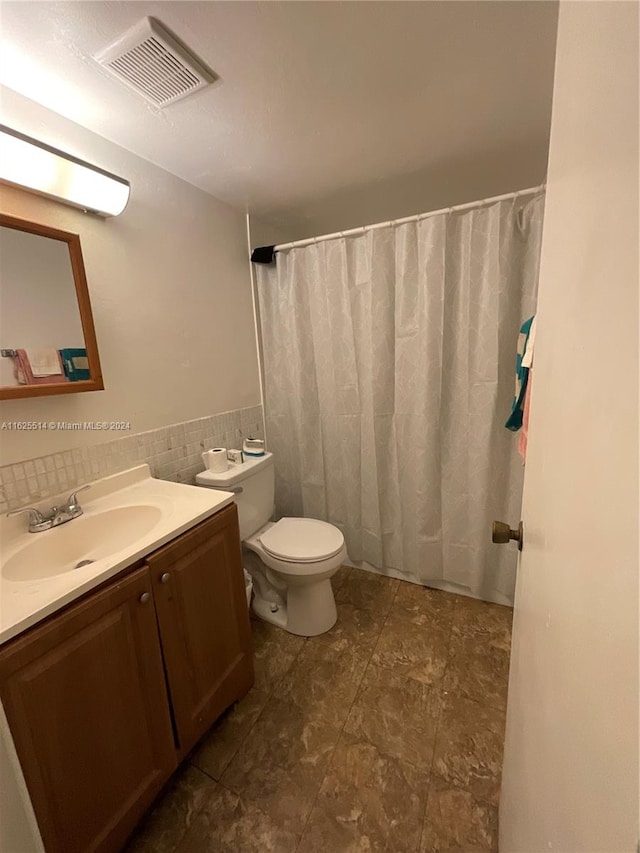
(128, 516)
(90, 537)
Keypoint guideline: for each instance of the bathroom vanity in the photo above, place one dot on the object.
(112, 688)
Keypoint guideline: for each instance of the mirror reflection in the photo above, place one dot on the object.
(41, 332)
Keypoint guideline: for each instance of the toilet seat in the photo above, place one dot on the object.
(302, 540)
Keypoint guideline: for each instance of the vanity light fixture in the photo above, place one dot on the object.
(39, 168)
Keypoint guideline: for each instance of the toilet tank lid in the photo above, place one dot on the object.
(236, 473)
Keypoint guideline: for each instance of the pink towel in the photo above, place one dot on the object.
(524, 432)
(24, 376)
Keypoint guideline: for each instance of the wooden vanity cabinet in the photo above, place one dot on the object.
(198, 586)
(86, 702)
(104, 698)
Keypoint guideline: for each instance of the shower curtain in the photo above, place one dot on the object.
(389, 373)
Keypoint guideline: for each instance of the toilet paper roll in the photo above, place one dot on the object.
(216, 460)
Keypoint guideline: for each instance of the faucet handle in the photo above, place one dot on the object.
(72, 502)
(35, 516)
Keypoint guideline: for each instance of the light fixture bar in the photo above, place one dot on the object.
(39, 168)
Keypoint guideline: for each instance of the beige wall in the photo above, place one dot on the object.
(265, 233)
(170, 290)
(476, 175)
(570, 780)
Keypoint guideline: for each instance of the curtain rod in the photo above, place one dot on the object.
(416, 218)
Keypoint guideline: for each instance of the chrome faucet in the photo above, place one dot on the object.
(45, 520)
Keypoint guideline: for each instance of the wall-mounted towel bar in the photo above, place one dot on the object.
(8, 353)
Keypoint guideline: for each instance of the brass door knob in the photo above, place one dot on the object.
(502, 533)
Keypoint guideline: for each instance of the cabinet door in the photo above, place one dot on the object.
(204, 623)
(86, 701)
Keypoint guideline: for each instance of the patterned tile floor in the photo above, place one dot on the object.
(384, 734)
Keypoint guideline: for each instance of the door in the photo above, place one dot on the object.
(570, 780)
(204, 623)
(86, 701)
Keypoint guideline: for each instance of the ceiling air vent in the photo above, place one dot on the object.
(149, 60)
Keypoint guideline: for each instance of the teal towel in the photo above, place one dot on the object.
(76, 364)
(514, 421)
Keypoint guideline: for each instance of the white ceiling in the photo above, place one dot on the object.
(313, 97)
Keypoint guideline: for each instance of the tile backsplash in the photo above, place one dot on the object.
(173, 453)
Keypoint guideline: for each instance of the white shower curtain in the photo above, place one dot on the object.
(389, 373)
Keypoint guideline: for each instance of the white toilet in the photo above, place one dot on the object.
(291, 562)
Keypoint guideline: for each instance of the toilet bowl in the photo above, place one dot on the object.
(290, 561)
(297, 557)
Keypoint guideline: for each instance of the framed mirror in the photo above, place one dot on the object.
(47, 337)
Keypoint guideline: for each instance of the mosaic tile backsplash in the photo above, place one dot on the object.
(173, 453)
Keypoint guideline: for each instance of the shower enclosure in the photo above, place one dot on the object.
(389, 372)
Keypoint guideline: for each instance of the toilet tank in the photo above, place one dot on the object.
(252, 483)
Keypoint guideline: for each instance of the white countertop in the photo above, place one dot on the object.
(23, 603)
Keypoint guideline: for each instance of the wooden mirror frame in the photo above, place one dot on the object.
(11, 392)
